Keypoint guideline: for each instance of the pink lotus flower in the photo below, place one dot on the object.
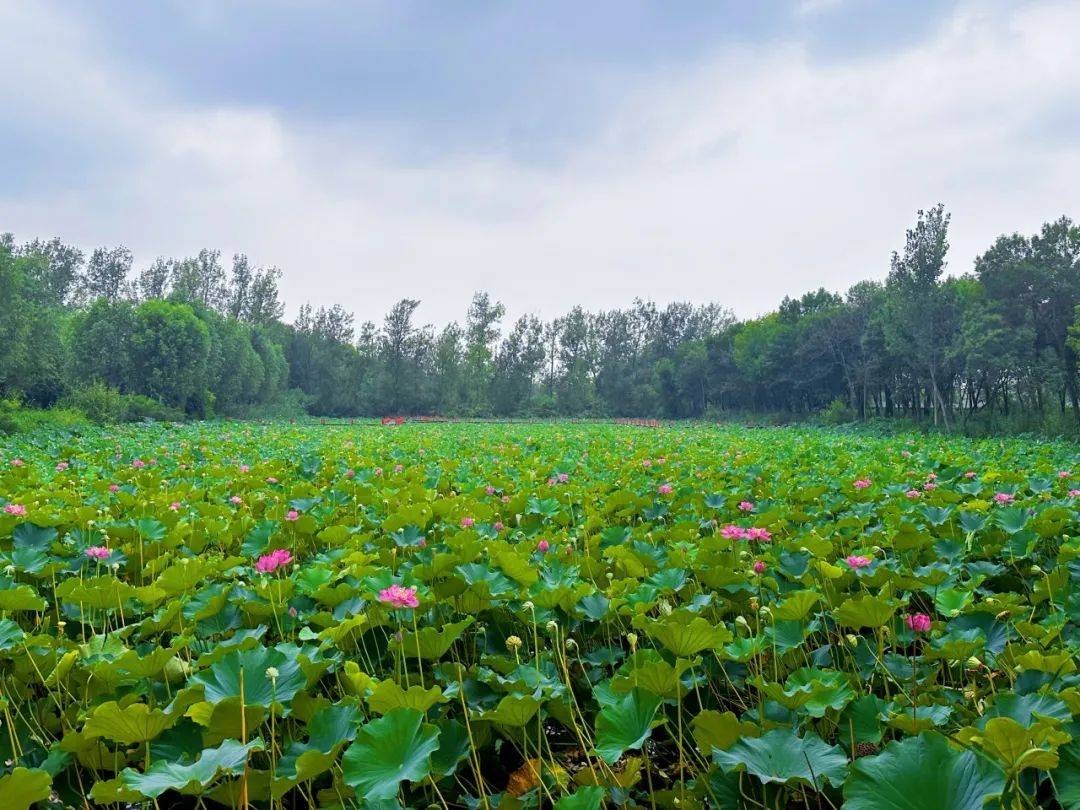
(350, 473)
(175, 506)
(906, 453)
(543, 546)
(1064, 473)
(932, 476)
(564, 477)
(661, 461)
(378, 472)
(467, 522)
(913, 493)
(489, 489)
(929, 485)
(919, 622)
(1074, 493)
(759, 567)
(16, 509)
(138, 464)
(498, 526)
(857, 561)
(63, 465)
(1003, 497)
(733, 532)
(969, 474)
(646, 463)
(862, 483)
(271, 480)
(16, 462)
(98, 552)
(268, 563)
(292, 515)
(506, 499)
(245, 468)
(292, 612)
(759, 533)
(422, 542)
(398, 468)
(664, 489)
(114, 487)
(236, 500)
(551, 481)
(398, 596)
(746, 506)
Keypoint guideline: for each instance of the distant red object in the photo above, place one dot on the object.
(393, 420)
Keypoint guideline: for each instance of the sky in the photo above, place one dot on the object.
(552, 153)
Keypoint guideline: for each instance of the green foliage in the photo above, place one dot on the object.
(192, 612)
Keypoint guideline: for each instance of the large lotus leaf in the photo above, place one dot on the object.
(1026, 709)
(251, 669)
(23, 787)
(30, 546)
(513, 710)
(228, 758)
(782, 756)
(865, 611)
(922, 773)
(711, 729)
(103, 592)
(11, 635)
(20, 597)
(649, 670)
(584, 798)
(328, 731)
(813, 690)
(388, 695)
(796, 605)
(625, 724)
(1018, 747)
(686, 635)
(132, 724)
(430, 643)
(395, 748)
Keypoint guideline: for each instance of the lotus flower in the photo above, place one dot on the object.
(399, 596)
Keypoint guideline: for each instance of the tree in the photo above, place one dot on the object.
(106, 275)
(170, 349)
(922, 324)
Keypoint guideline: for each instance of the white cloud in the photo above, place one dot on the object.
(756, 174)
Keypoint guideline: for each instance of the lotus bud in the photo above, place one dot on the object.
(974, 663)
(571, 644)
(553, 626)
(852, 640)
(528, 606)
(632, 639)
(272, 674)
(741, 621)
(1036, 570)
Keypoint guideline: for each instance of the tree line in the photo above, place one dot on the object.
(999, 341)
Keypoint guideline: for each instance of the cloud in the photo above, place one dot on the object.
(747, 175)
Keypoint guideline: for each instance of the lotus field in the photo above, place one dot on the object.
(537, 615)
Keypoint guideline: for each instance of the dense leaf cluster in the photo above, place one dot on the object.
(605, 616)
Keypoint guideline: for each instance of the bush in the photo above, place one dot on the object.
(837, 412)
(291, 404)
(105, 405)
(17, 418)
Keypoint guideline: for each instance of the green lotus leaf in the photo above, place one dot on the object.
(687, 635)
(922, 773)
(865, 611)
(625, 724)
(395, 748)
(430, 643)
(248, 671)
(584, 798)
(782, 756)
(23, 787)
(135, 723)
(388, 695)
(227, 758)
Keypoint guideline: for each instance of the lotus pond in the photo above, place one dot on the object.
(577, 616)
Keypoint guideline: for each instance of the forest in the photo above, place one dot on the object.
(994, 346)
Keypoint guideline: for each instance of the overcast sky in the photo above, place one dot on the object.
(552, 153)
